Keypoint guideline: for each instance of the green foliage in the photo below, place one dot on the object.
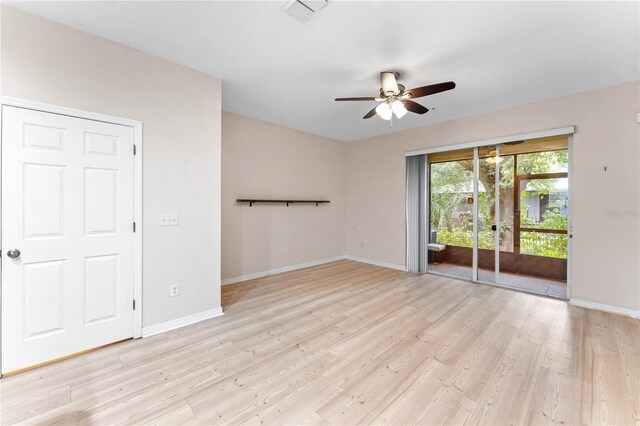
(543, 162)
(553, 219)
(448, 204)
(444, 209)
(464, 238)
(533, 243)
(542, 244)
(451, 215)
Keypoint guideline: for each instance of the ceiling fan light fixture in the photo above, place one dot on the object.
(384, 111)
(398, 109)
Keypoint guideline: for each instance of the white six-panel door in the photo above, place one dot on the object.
(68, 207)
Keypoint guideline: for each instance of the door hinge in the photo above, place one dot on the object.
(134, 227)
(134, 149)
(134, 305)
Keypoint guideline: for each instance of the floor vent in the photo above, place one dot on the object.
(304, 10)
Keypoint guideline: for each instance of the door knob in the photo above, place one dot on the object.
(13, 254)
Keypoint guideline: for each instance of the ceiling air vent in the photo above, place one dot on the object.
(304, 10)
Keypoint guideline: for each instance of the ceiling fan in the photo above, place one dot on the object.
(396, 100)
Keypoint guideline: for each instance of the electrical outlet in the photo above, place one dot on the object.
(287, 251)
(174, 290)
(170, 219)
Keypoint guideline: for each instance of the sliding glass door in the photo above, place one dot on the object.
(498, 214)
(450, 249)
(495, 211)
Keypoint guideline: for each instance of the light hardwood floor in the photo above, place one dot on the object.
(349, 343)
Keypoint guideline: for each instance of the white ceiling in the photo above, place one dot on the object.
(277, 69)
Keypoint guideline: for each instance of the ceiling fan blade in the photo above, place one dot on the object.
(419, 92)
(356, 99)
(388, 82)
(370, 113)
(415, 107)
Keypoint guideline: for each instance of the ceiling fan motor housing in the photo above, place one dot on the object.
(389, 83)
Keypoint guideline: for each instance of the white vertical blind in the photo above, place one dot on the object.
(417, 213)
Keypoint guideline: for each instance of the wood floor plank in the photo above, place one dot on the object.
(554, 399)
(350, 343)
(34, 404)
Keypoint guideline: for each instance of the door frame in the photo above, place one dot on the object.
(517, 207)
(137, 185)
(568, 131)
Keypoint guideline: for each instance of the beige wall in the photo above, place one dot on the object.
(263, 160)
(365, 180)
(606, 248)
(180, 110)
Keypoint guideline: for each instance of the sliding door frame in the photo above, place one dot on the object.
(474, 209)
(569, 214)
(496, 215)
(561, 131)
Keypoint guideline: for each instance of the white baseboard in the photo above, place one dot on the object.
(280, 270)
(605, 308)
(261, 274)
(377, 263)
(180, 322)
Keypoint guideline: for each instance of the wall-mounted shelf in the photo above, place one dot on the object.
(251, 201)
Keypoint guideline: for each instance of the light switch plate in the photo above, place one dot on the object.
(170, 219)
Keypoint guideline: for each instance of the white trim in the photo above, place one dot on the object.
(181, 322)
(605, 308)
(570, 216)
(377, 263)
(289, 268)
(280, 270)
(137, 140)
(137, 236)
(474, 209)
(495, 141)
(57, 109)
